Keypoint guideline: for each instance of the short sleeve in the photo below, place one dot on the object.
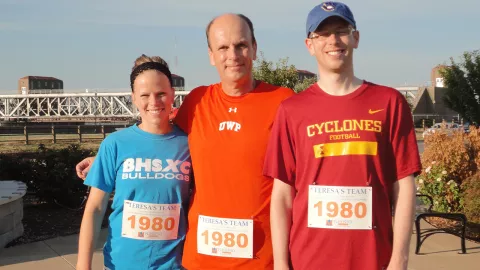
(103, 173)
(403, 139)
(280, 155)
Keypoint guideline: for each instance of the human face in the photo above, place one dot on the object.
(153, 96)
(231, 50)
(332, 44)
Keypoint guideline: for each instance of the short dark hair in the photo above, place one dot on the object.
(243, 17)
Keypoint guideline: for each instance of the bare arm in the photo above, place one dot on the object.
(90, 228)
(281, 222)
(404, 209)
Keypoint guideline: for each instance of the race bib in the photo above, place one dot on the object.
(225, 237)
(334, 207)
(150, 221)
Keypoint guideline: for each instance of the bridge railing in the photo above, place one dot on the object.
(68, 105)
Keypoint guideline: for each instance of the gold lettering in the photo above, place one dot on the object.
(336, 127)
(344, 126)
(357, 124)
(310, 134)
(368, 125)
(327, 129)
(378, 126)
(347, 125)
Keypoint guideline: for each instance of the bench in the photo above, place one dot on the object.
(422, 213)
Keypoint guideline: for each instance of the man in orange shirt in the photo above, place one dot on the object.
(228, 125)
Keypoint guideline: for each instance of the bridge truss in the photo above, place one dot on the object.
(75, 105)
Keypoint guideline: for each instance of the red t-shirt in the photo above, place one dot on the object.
(365, 138)
(228, 138)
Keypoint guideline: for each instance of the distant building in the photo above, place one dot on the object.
(305, 74)
(178, 82)
(429, 100)
(436, 78)
(39, 85)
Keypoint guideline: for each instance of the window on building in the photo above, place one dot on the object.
(39, 85)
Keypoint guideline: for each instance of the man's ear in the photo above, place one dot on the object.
(356, 37)
(210, 56)
(309, 44)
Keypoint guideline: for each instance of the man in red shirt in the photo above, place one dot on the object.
(343, 155)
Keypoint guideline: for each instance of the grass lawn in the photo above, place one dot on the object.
(32, 147)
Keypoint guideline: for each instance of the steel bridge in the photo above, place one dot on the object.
(88, 106)
(83, 106)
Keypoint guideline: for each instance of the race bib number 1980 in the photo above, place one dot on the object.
(150, 221)
(225, 237)
(336, 207)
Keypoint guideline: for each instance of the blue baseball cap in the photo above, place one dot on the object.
(326, 10)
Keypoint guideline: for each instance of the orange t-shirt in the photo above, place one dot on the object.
(228, 138)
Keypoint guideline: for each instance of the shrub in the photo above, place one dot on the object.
(473, 140)
(49, 174)
(453, 151)
(445, 192)
(14, 167)
(471, 188)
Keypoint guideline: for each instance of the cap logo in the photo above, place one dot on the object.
(328, 6)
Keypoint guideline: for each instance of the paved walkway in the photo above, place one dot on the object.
(438, 252)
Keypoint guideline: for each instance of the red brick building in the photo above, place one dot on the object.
(39, 85)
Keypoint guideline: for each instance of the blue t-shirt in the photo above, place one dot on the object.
(148, 171)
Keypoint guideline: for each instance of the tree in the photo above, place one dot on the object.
(280, 74)
(462, 81)
(300, 86)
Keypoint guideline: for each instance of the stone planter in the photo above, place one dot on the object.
(11, 210)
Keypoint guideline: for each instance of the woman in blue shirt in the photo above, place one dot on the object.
(148, 166)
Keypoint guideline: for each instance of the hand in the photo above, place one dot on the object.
(83, 167)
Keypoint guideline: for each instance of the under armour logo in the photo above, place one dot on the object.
(232, 109)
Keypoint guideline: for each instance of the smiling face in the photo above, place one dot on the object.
(332, 44)
(153, 96)
(231, 49)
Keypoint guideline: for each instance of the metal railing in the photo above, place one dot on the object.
(72, 105)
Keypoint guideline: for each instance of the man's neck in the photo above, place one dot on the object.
(339, 84)
(239, 88)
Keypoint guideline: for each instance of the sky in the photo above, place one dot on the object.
(92, 44)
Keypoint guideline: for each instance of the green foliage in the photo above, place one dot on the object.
(300, 86)
(280, 74)
(446, 194)
(463, 83)
(49, 174)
